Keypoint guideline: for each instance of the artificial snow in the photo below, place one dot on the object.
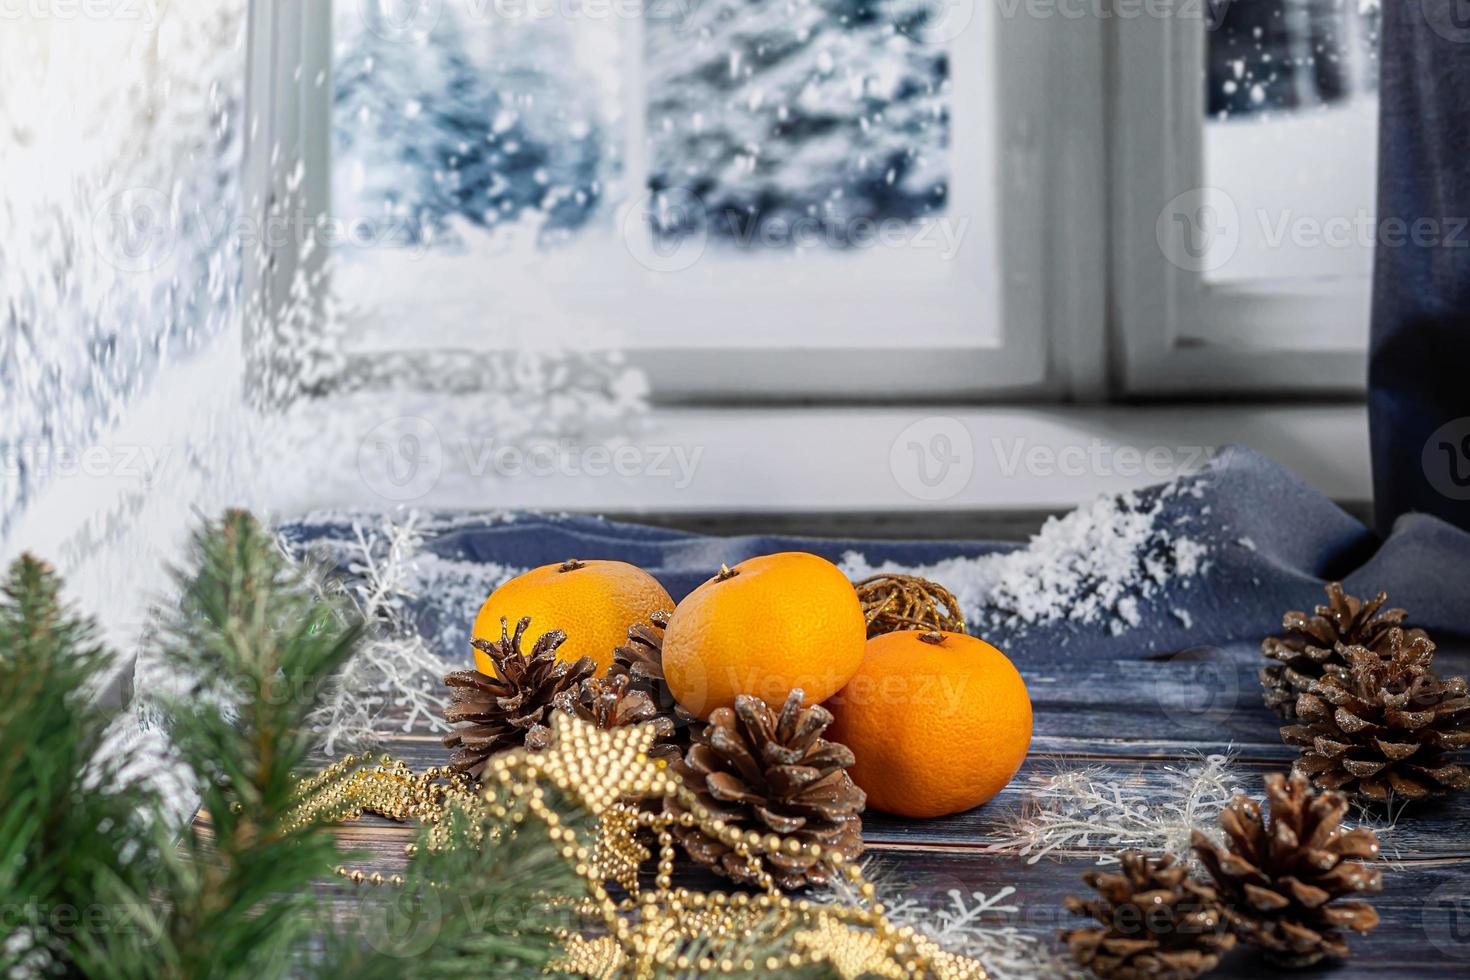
(1094, 566)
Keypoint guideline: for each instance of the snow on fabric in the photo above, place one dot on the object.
(1094, 566)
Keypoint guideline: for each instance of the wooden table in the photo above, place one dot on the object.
(1134, 718)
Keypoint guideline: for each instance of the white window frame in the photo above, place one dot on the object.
(1100, 128)
(1045, 276)
(1181, 334)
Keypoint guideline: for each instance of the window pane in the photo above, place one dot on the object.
(462, 145)
(538, 171)
(798, 121)
(1291, 108)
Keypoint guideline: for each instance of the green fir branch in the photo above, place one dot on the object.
(258, 649)
(72, 860)
(491, 904)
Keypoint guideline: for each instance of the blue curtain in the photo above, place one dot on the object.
(1419, 391)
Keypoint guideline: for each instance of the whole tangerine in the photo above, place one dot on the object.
(939, 722)
(593, 602)
(766, 627)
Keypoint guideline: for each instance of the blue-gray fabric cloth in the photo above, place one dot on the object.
(1419, 396)
(1270, 544)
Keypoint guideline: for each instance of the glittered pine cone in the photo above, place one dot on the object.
(1386, 726)
(1312, 647)
(609, 703)
(641, 660)
(498, 713)
(1282, 879)
(773, 774)
(1156, 922)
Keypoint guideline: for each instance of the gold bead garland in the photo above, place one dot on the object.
(652, 930)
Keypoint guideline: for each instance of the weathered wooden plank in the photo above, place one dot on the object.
(1432, 830)
(1134, 719)
(1209, 695)
(1425, 928)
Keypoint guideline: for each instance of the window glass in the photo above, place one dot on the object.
(1291, 109)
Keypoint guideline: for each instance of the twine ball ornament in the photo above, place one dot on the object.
(894, 602)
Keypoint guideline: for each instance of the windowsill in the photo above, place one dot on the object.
(819, 460)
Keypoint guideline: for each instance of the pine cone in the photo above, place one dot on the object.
(770, 773)
(501, 711)
(1280, 882)
(641, 660)
(608, 703)
(1313, 646)
(1386, 725)
(1157, 923)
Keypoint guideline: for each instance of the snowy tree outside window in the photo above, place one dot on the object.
(1291, 105)
(775, 113)
(764, 110)
(491, 161)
